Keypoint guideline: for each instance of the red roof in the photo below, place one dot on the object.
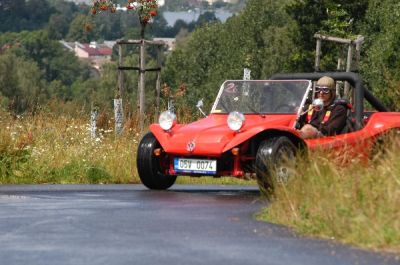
(101, 50)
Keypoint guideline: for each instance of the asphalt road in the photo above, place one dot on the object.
(127, 224)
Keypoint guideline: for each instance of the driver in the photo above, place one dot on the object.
(331, 119)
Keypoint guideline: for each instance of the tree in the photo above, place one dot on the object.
(58, 24)
(216, 52)
(54, 62)
(21, 83)
(380, 64)
(77, 33)
(207, 17)
(10, 13)
(20, 15)
(330, 17)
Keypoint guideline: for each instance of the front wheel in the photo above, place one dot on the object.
(274, 162)
(150, 166)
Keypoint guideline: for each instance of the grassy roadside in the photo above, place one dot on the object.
(357, 204)
(49, 149)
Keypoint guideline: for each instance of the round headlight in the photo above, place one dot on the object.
(167, 120)
(235, 120)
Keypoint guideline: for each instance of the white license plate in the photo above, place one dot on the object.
(200, 166)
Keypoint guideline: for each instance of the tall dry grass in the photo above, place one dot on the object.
(56, 149)
(357, 204)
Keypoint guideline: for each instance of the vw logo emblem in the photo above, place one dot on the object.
(190, 146)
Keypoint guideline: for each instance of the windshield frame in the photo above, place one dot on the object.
(300, 108)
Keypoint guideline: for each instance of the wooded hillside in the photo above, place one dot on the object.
(277, 36)
(266, 36)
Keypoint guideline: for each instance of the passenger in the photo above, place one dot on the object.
(330, 119)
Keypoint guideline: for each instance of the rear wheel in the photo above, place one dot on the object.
(150, 166)
(275, 162)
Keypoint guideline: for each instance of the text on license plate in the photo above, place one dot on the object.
(202, 166)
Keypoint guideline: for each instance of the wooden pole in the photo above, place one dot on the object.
(317, 56)
(118, 110)
(120, 73)
(348, 69)
(142, 86)
(339, 67)
(358, 54)
(158, 85)
(349, 57)
(93, 119)
(333, 39)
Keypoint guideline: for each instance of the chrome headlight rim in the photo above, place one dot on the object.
(167, 120)
(235, 120)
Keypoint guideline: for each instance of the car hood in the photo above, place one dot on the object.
(210, 136)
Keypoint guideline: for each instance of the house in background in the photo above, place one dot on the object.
(94, 53)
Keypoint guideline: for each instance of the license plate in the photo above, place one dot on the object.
(200, 166)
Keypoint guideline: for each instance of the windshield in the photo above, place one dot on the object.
(261, 96)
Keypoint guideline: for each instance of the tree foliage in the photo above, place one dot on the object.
(216, 51)
(381, 61)
(30, 62)
(266, 36)
(18, 15)
(271, 36)
(21, 83)
(335, 18)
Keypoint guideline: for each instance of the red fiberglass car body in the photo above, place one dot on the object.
(251, 130)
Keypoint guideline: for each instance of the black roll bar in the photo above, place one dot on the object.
(354, 79)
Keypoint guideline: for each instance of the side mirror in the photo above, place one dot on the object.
(199, 105)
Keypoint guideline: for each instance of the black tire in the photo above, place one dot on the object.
(149, 166)
(274, 163)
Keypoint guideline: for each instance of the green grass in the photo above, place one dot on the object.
(357, 203)
(48, 149)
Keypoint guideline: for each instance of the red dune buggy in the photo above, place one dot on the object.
(251, 131)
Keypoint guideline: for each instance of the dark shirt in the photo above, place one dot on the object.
(332, 126)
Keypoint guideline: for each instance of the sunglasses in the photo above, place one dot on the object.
(322, 89)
